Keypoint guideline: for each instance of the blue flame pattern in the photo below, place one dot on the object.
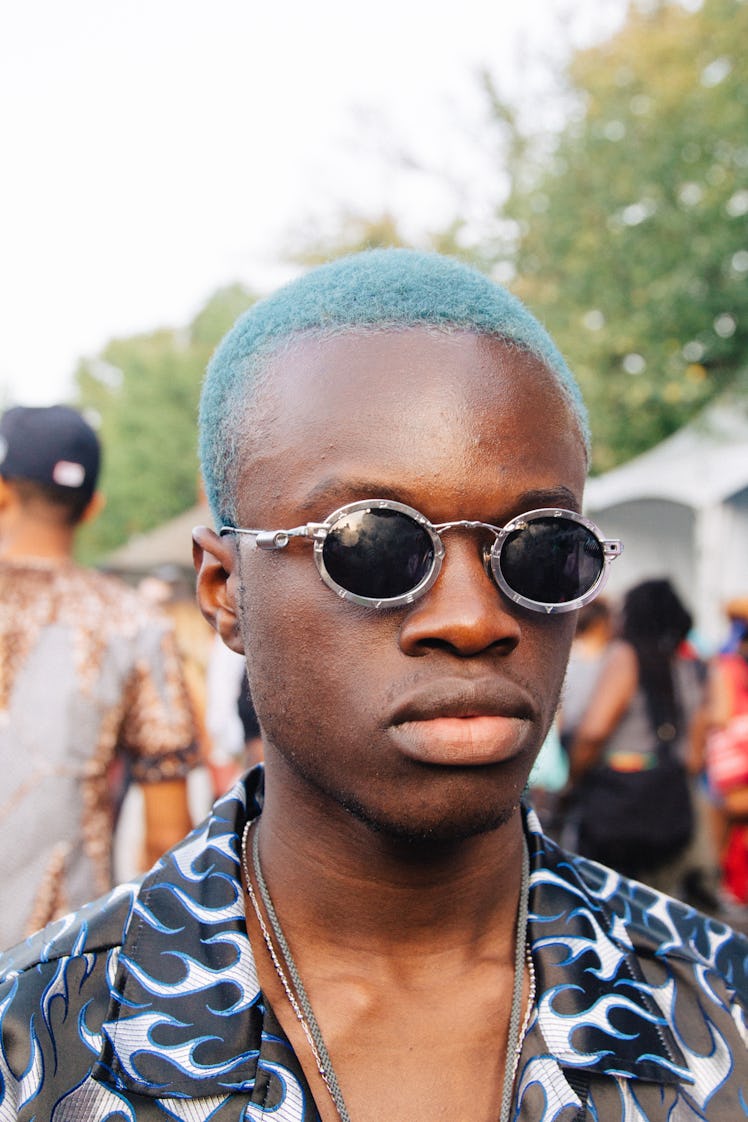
(146, 1005)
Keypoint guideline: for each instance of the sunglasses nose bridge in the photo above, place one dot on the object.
(467, 524)
(488, 549)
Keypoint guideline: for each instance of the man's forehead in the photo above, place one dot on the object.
(407, 369)
(401, 408)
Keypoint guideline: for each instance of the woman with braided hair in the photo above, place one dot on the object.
(628, 759)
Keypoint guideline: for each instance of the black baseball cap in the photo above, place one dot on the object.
(50, 444)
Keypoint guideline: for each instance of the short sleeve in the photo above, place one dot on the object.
(158, 729)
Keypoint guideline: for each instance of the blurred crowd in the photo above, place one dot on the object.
(646, 769)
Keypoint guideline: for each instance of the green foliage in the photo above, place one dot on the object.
(219, 314)
(145, 390)
(630, 235)
(354, 233)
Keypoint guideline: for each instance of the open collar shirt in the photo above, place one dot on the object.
(146, 1005)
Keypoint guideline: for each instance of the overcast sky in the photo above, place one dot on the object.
(154, 150)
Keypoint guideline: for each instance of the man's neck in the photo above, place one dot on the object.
(392, 942)
(361, 890)
(37, 541)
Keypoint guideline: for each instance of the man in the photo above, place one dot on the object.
(395, 454)
(87, 670)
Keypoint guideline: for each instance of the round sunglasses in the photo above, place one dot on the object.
(383, 554)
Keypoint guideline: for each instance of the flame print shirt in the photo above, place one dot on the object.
(145, 1005)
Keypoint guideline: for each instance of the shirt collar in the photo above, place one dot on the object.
(186, 1012)
(187, 1016)
(602, 986)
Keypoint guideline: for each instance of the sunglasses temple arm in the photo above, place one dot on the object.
(276, 539)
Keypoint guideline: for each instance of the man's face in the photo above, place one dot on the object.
(422, 720)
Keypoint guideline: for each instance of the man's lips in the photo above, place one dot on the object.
(461, 726)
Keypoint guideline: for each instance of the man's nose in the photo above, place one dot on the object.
(464, 610)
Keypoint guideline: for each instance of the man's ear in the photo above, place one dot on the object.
(94, 508)
(6, 493)
(216, 564)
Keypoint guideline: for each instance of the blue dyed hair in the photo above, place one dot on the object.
(380, 289)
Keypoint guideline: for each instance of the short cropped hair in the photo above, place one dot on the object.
(378, 290)
(66, 506)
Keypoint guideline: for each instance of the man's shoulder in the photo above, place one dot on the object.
(96, 928)
(636, 991)
(128, 984)
(653, 927)
(55, 994)
(112, 593)
(81, 595)
(196, 878)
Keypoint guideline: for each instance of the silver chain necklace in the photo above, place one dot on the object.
(298, 998)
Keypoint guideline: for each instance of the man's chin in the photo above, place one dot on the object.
(418, 830)
(441, 807)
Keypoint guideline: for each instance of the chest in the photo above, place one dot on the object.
(435, 1051)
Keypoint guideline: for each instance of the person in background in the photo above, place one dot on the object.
(253, 752)
(172, 590)
(88, 670)
(372, 924)
(591, 639)
(547, 783)
(736, 611)
(236, 743)
(727, 759)
(630, 752)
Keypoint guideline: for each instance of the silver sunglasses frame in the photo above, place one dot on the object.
(318, 531)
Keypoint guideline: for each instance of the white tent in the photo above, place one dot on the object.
(682, 511)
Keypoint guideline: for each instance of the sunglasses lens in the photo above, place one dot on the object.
(377, 553)
(552, 560)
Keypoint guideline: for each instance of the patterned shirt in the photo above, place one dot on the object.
(146, 1005)
(87, 670)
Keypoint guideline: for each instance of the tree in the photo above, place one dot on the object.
(353, 232)
(144, 390)
(629, 234)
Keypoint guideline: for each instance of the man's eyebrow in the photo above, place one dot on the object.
(550, 497)
(335, 491)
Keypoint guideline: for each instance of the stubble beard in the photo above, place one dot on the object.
(408, 831)
(446, 832)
